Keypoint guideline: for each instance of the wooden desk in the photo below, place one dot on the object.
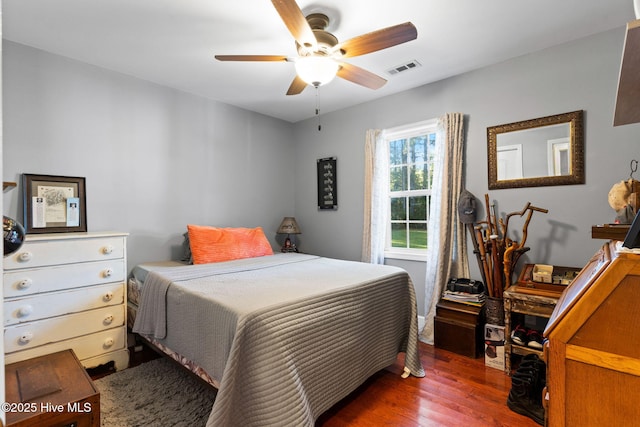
(51, 390)
(593, 358)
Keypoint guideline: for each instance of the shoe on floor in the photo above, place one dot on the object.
(521, 399)
(520, 335)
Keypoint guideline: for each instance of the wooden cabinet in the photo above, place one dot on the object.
(524, 301)
(458, 328)
(51, 390)
(593, 351)
(66, 291)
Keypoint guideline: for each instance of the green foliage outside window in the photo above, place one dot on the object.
(410, 180)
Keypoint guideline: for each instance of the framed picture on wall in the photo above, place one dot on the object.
(53, 204)
(327, 184)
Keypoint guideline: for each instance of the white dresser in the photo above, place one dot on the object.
(67, 291)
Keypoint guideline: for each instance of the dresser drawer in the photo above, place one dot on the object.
(46, 331)
(47, 279)
(84, 347)
(41, 306)
(39, 253)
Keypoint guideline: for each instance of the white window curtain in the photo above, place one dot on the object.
(376, 190)
(447, 248)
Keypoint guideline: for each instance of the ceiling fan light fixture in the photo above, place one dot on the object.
(316, 70)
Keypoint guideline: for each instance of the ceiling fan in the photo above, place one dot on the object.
(320, 53)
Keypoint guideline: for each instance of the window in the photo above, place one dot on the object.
(411, 162)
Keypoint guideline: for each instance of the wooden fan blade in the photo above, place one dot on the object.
(377, 40)
(297, 24)
(277, 58)
(297, 86)
(360, 76)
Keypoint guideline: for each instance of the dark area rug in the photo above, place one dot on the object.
(156, 393)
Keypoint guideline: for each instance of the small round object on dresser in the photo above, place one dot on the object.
(13, 235)
(25, 256)
(25, 283)
(25, 310)
(25, 338)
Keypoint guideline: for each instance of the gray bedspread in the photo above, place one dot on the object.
(286, 336)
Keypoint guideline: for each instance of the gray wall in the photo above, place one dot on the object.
(581, 75)
(154, 158)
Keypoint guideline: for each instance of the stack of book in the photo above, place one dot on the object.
(464, 298)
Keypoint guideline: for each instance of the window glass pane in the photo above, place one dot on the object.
(431, 150)
(418, 236)
(398, 178)
(398, 152)
(418, 208)
(399, 235)
(418, 175)
(418, 149)
(411, 157)
(398, 208)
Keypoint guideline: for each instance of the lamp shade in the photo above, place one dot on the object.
(289, 226)
(316, 70)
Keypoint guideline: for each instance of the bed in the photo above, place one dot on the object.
(282, 337)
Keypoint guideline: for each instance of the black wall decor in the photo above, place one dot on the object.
(327, 184)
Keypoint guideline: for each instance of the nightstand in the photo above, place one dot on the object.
(51, 390)
(459, 327)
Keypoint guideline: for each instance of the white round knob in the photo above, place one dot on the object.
(25, 283)
(108, 296)
(107, 249)
(108, 342)
(108, 272)
(25, 338)
(25, 256)
(108, 320)
(25, 311)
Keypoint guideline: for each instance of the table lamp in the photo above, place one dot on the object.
(289, 226)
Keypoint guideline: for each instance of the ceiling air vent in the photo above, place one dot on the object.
(404, 67)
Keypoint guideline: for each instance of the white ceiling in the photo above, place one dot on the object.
(172, 42)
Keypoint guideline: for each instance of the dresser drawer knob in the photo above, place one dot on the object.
(25, 311)
(25, 338)
(108, 272)
(108, 296)
(25, 283)
(108, 342)
(107, 250)
(108, 319)
(25, 256)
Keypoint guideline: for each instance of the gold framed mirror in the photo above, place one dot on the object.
(538, 152)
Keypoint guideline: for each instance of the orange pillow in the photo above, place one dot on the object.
(211, 244)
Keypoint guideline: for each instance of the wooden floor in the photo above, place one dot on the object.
(456, 391)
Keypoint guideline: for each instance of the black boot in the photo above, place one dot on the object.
(533, 366)
(522, 399)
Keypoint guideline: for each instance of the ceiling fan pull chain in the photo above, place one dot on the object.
(318, 107)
